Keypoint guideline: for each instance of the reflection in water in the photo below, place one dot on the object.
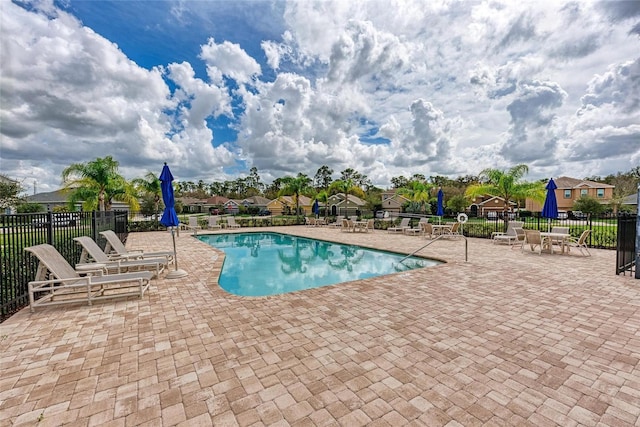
(258, 264)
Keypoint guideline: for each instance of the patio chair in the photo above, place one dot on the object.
(427, 229)
(231, 222)
(213, 222)
(535, 240)
(454, 231)
(580, 243)
(404, 223)
(347, 225)
(57, 282)
(115, 246)
(309, 222)
(91, 253)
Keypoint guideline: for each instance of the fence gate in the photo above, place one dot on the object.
(626, 246)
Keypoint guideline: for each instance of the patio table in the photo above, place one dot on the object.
(556, 237)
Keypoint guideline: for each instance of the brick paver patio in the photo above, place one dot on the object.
(504, 339)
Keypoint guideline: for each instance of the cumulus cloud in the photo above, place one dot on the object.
(230, 60)
(386, 88)
(607, 125)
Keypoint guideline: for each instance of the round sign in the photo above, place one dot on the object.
(462, 218)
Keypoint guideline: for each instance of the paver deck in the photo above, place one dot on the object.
(503, 339)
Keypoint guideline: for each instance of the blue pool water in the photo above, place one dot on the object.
(259, 264)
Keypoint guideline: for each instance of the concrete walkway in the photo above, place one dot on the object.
(504, 339)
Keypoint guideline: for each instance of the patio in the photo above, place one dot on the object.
(504, 339)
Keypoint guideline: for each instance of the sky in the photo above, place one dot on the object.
(385, 87)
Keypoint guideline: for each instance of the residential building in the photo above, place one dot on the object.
(286, 205)
(571, 189)
(60, 199)
(393, 202)
(339, 204)
(489, 206)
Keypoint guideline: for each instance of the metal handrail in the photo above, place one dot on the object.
(466, 247)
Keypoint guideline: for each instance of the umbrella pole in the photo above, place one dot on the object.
(175, 274)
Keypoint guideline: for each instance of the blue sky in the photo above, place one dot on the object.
(388, 88)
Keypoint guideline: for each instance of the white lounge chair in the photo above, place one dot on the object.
(338, 222)
(57, 282)
(404, 223)
(115, 246)
(509, 237)
(213, 222)
(192, 225)
(91, 253)
(231, 222)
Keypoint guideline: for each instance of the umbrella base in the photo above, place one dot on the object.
(176, 274)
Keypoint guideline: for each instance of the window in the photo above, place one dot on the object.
(600, 193)
(567, 194)
(583, 192)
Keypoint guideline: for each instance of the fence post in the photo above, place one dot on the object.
(638, 236)
(94, 227)
(50, 228)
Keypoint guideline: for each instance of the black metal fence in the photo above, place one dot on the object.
(19, 231)
(604, 228)
(626, 248)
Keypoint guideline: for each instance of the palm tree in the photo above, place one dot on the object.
(97, 183)
(150, 184)
(507, 185)
(347, 187)
(296, 186)
(323, 197)
(419, 192)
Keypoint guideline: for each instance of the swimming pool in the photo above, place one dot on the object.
(261, 264)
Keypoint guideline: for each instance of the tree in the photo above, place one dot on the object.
(457, 203)
(9, 194)
(399, 182)
(296, 186)
(323, 179)
(588, 205)
(418, 192)
(507, 185)
(97, 183)
(150, 186)
(323, 197)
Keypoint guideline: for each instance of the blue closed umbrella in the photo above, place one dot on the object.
(440, 210)
(550, 208)
(316, 208)
(169, 217)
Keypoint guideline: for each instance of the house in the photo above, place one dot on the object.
(571, 189)
(60, 199)
(393, 202)
(232, 206)
(255, 201)
(339, 204)
(286, 205)
(488, 205)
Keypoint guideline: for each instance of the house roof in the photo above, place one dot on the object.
(565, 182)
(353, 199)
(58, 196)
(631, 199)
(217, 200)
(492, 198)
(257, 200)
(304, 200)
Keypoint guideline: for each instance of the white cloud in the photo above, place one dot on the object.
(386, 88)
(228, 59)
